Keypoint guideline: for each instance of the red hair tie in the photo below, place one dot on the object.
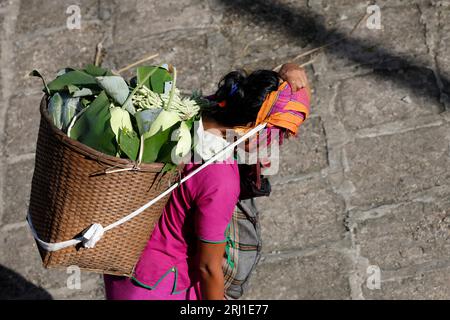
(222, 104)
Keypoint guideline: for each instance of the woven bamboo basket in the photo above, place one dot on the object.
(67, 197)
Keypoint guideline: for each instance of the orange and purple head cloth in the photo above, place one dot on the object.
(283, 110)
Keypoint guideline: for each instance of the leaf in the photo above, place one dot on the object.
(83, 93)
(129, 143)
(93, 128)
(165, 154)
(190, 122)
(120, 119)
(63, 71)
(96, 71)
(152, 146)
(85, 102)
(71, 106)
(117, 88)
(74, 119)
(184, 140)
(157, 81)
(168, 167)
(36, 73)
(55, 109)
(71, 88)
(164, 121)
(145, 118)
(76, 78)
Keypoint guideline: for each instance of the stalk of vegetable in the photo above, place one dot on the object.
(139, 85)
(172, 91)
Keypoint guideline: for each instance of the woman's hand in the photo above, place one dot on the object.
(294, 75)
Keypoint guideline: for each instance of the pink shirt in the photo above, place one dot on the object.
(201, 208)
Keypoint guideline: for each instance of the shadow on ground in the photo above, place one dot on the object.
(13, 287)
(301, 26)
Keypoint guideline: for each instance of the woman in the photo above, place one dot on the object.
(183, 258)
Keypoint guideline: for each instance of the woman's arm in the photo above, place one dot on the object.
(210, 256)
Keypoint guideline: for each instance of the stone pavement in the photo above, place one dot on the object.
(366, 184)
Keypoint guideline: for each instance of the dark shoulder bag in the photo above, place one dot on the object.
(244, 244)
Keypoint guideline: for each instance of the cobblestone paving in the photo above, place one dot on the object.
(366, 184)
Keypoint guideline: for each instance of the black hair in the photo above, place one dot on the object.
(243, 96)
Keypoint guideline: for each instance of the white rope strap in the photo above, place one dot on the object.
(95, 232)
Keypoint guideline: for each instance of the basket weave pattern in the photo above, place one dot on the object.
(66, 199)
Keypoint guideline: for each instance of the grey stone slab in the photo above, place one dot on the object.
(299, 215)
(423, 285)
(404, 235)
(338, 12)
(443, 47)
(221, 62)
(377, 98)
(257, 33)
(19, 253)
(228, 53)
(322, 275)
(305, 153)
(2, 19)
(16, 191)
(15, 286)
(22, 124)
(391, 168)
(185, 50)
(3, 102)
(401, 42)
(91, 288)
(261, 35)
(3, 4)
(49, 53)
(401, 33)
(36, 16)
(139, 19)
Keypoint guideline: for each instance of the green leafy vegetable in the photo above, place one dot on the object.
(96, 71)
(55, 109)
(76, 78)
(129, 143)
(83, 93)
(71, 106)
(117, 88)
(164, 121)
(158, 79)
(139, 86)
(93, 128)
(120, 119)
(168, 167)
(152, 146)
(145, 118)
(63, 71)
(184, 140)
(71, 88)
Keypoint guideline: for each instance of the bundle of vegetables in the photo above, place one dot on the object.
(143, 121)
